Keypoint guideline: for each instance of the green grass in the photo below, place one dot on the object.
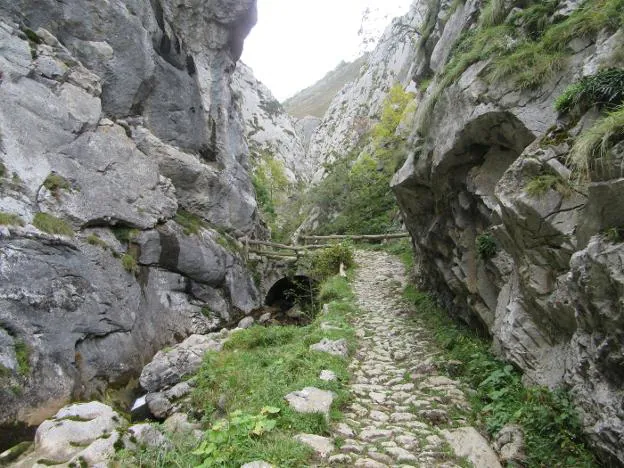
(10, 219)
(52, 225)
(596, 142)
(22, 354)
(124, 234)
(401, 248)
(94, 239)
(256, 369)
(540, 185)
(605, 89)
(129, 263)
(55, 183)
(550, 423)
(191, 223)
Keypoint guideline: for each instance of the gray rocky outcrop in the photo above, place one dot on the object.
(118, 122)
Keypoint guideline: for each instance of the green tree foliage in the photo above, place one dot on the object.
(355, 195)
(272, 188)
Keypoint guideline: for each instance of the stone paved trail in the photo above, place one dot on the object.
(401, 404)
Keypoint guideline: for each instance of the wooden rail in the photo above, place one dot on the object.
(371, 237)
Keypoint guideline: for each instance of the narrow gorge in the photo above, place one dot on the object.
(144, 168)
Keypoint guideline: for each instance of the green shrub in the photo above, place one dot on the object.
(540, 185)
(22, 354)
(2, 170)
(486, 246)
(10, 219)
(52, 225)
(605, 88)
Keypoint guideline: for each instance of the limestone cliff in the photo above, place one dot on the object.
(507, 230)
(123, 171)
(270, 131)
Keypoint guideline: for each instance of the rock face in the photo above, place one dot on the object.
(270, 131)
(533, 271)
(113, 118)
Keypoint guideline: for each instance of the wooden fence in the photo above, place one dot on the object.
(284, 252)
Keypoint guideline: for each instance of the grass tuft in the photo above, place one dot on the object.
(191, 223)
(10, 219)
(605, 89)
(540, 185)
(52, 225)
(593, 146)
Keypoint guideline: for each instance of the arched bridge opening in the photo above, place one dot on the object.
(294, 296)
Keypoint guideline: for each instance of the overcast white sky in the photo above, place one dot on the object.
(296, 42)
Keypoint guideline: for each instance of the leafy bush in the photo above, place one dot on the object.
(52, 225)
(326, 262)
(10, 219)
(355, 196)
(486, 246)
(541, 184)
(605, 88)
(2, 170)
(549, 420)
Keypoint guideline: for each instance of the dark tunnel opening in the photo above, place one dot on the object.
(288, 292)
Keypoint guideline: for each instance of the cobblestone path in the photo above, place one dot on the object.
(401, 404)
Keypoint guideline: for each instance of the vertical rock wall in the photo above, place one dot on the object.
(117, 122)
(549, 293)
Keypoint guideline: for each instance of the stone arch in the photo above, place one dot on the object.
(287, 291)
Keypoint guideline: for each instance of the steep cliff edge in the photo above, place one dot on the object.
(123, 170)
(517, 235)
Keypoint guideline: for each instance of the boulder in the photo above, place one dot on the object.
(322, 446)
(467, 442)
(310, 400)
(170, 366)
(333, 347)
